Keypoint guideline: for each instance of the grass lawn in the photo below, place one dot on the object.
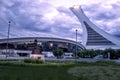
(80, 71)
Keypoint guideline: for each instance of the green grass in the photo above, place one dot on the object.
(34, 73)
(53, 70)
(95, 73)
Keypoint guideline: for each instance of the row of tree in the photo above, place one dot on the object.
(114, 53)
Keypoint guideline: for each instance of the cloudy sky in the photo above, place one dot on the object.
(53, 18)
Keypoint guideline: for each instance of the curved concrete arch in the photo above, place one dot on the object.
(92, 35)
(31, 39)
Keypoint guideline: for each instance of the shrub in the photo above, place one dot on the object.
(36, 61)
(27, 60)
(39, 61)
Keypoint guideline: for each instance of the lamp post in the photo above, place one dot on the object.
(8, 38)
(76, 47)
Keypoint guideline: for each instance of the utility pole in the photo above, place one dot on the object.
(7, 51)
(76, 47)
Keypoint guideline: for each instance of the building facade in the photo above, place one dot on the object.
(44, 43)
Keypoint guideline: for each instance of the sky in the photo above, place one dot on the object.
(53, 18)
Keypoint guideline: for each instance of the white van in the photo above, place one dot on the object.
(48, 54)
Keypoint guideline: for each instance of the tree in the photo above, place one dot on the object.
(118, 53)
(92, 53)
(113, 53)
(58, 53)
(87, 53)
(80, 54)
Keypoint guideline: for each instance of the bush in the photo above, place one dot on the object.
(36, 61)
(39, 61)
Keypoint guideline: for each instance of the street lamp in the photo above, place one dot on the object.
(76, 46)
(8, 37)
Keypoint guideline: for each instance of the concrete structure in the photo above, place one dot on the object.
(94, 37)
(37, 56)
(24, 46)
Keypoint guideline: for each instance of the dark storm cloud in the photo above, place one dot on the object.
(117, 35)
(21, 16)
(34, 18)
(105, 16)
(100, 13)
(28, 19)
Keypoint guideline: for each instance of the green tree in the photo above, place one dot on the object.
(92, 53)
(114, 54)
(80, 54)
(118, 53)
(58, 53)
(87, 53)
